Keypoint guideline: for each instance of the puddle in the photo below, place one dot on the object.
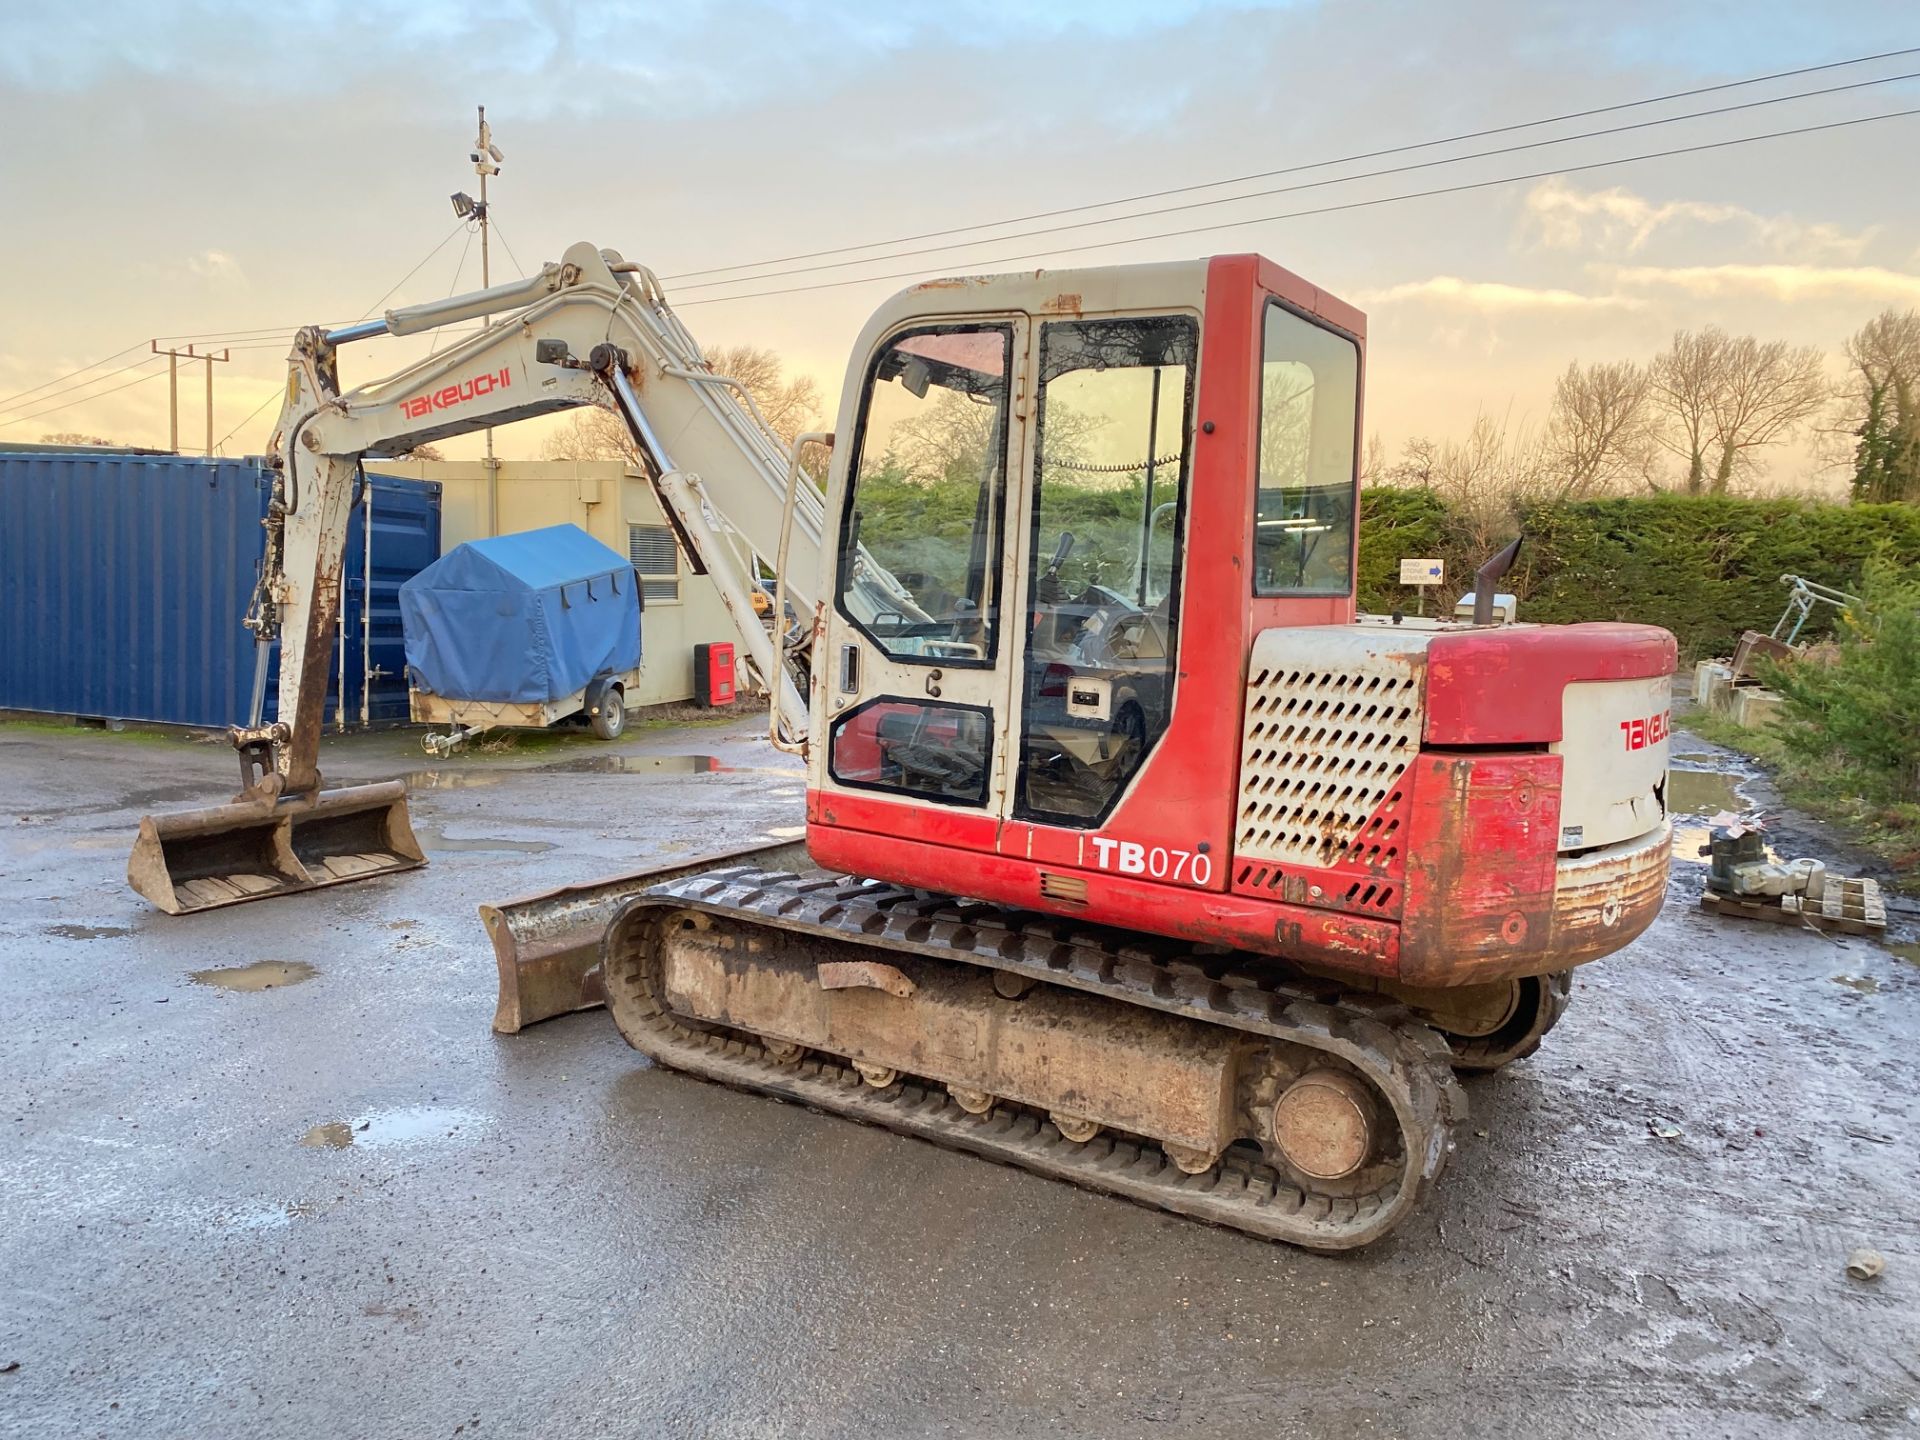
(1865, 984)
(1910, 952)
(486, 843)
(409, 1125)
(1697, 756)
(261, 975)
(450, 779)
(1702, 792)
(335, 1135)
(272, 1217)
(87, 932)
(194, 794)
(642, 765)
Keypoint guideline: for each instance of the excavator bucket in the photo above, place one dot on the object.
(548, 945)
(222, 855)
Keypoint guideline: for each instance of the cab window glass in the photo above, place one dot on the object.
(930, 751)
(1115, 408)
(1303, 522)
(920, 544)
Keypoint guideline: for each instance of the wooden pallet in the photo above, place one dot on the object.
(1850, 907)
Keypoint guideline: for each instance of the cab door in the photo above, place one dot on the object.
(1102, 541)
(913, 683)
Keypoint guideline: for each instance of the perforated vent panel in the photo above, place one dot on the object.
(1333, 720)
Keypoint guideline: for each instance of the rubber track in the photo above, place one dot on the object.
(1407, 1062)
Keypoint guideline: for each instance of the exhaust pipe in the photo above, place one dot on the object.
(225, 854)
(1488, 576)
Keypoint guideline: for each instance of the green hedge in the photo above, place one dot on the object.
(1705, 567)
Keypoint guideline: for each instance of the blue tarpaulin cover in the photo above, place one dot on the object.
(527, 617)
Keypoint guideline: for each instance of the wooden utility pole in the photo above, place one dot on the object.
(174, 357)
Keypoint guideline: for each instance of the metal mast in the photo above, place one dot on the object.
(486, 159)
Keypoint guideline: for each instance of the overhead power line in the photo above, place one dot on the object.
(219, 445)
(1313, 184)
(1325, 209)
(98, 395)
(35, 403)
(1295, 169)
(61, 379)
(32, 398)
(218, 336)
(29, 399)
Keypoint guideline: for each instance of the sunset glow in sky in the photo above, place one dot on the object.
(182, 169)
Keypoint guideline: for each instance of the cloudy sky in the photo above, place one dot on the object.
(192, 168)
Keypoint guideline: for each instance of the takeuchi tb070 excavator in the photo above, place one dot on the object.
(1139, 858)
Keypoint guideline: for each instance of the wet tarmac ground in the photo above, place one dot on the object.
(267, 1172)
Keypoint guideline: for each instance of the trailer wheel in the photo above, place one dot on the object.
(610, 719)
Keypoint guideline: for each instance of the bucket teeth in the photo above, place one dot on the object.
(226, 854)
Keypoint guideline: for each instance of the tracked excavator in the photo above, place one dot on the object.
(1134, 855)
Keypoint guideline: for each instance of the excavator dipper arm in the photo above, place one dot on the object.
(590, 329)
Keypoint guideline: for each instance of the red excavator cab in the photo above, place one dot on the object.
(1091, 647)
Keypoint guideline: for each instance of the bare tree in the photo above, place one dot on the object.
(589, 433)
(950, 436)
(790, 404)
(1485, 479)
(1374, 464)
(1878, 409)
(1685, 378)
(1600, 432)
(1885, 348)
(1727, 397)
(1414, 470)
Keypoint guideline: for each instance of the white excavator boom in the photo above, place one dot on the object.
(590, 329)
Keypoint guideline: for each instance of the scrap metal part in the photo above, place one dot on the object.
(1213, 1086)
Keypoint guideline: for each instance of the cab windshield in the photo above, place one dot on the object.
(920, 544)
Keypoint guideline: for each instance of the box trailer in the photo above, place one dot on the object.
(522, 630)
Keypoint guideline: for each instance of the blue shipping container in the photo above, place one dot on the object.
(123, 580)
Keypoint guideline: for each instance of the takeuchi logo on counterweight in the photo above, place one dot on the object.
(448, 396)
(1641, 732)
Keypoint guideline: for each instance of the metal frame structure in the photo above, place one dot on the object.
(1803, 596)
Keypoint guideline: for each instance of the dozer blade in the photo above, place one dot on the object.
(548, 945)
(249, 850)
